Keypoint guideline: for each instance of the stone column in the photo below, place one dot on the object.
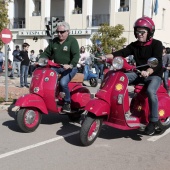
(87, 13)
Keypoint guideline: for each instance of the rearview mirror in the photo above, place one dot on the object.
(152, 62)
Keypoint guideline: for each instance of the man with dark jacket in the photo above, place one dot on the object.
(144, 48)
(23, 57)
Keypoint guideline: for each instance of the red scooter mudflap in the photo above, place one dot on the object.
(45, 96)
(112, 105)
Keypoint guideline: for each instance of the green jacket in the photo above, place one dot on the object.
(65, 53)
(97, 54)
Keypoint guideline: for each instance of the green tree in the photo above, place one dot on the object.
(3, 16)
(109, 36)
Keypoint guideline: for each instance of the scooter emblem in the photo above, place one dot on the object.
(161, 112)
(52, 74)
(122, 78)
(119, 87)
(139, 108)
(46, 79)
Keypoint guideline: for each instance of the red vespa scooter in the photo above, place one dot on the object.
(45, 97)
(111, 104)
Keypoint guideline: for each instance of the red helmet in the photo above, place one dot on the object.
(145, 22)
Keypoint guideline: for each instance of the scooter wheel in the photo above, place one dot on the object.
(28, 119)
(93, 82)
(164, 124)
(90, 130)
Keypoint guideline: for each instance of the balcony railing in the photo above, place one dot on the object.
(97, 19)
(17, 23)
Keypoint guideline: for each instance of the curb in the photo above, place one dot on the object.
(4, 107)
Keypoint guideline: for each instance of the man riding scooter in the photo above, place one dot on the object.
(144, 48)
(64, 50)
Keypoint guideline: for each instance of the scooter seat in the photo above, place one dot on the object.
(139, 87)
(78, 78)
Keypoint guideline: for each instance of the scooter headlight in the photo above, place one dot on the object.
(42, 61)
(117, 63)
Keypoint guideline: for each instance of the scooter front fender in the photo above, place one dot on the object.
(98, 107)
(32, 100)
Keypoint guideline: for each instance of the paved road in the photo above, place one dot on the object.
(56, 145)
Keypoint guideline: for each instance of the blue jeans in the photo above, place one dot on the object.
(153, 83)
(24, 75)
(165, 79)
(66, 76)
(99, 70)
(16, 64)
(1, 66)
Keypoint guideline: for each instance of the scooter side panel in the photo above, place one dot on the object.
(119, 100)
(163, 106)
(98, 107)
(106, 87)
(37, 81)
(32, 100)
(139, 107)
(50, 89)
(80, 95)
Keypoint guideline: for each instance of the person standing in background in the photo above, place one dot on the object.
(166, 66)
(1, 60)
(32, 63)
(23, 57)
(16, 63)
(99, 66)
(38, 56)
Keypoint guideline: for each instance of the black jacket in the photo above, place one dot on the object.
(143, 53)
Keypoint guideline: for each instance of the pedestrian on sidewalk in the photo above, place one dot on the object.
(1, 60)
(38, 56)
(16, 63)
(166, 66)
(32, 63)
(23, 57)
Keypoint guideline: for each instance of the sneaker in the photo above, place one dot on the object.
(66, 108)
(21, 86)
(11, 76)
(27, 86)
(150, 128)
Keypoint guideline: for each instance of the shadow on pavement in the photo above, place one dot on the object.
(113, 133)
(70, 128)
(106, 133)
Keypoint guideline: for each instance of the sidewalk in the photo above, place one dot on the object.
(14, 90)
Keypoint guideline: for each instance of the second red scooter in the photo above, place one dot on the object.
(111, 104)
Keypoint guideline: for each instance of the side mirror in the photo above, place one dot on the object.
(152, 62)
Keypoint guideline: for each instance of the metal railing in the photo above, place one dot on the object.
(17, 23)
(97, 19)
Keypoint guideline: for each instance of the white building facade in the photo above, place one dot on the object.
(29, 17)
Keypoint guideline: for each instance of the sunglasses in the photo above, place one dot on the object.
(141, 32)
(61, 32)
